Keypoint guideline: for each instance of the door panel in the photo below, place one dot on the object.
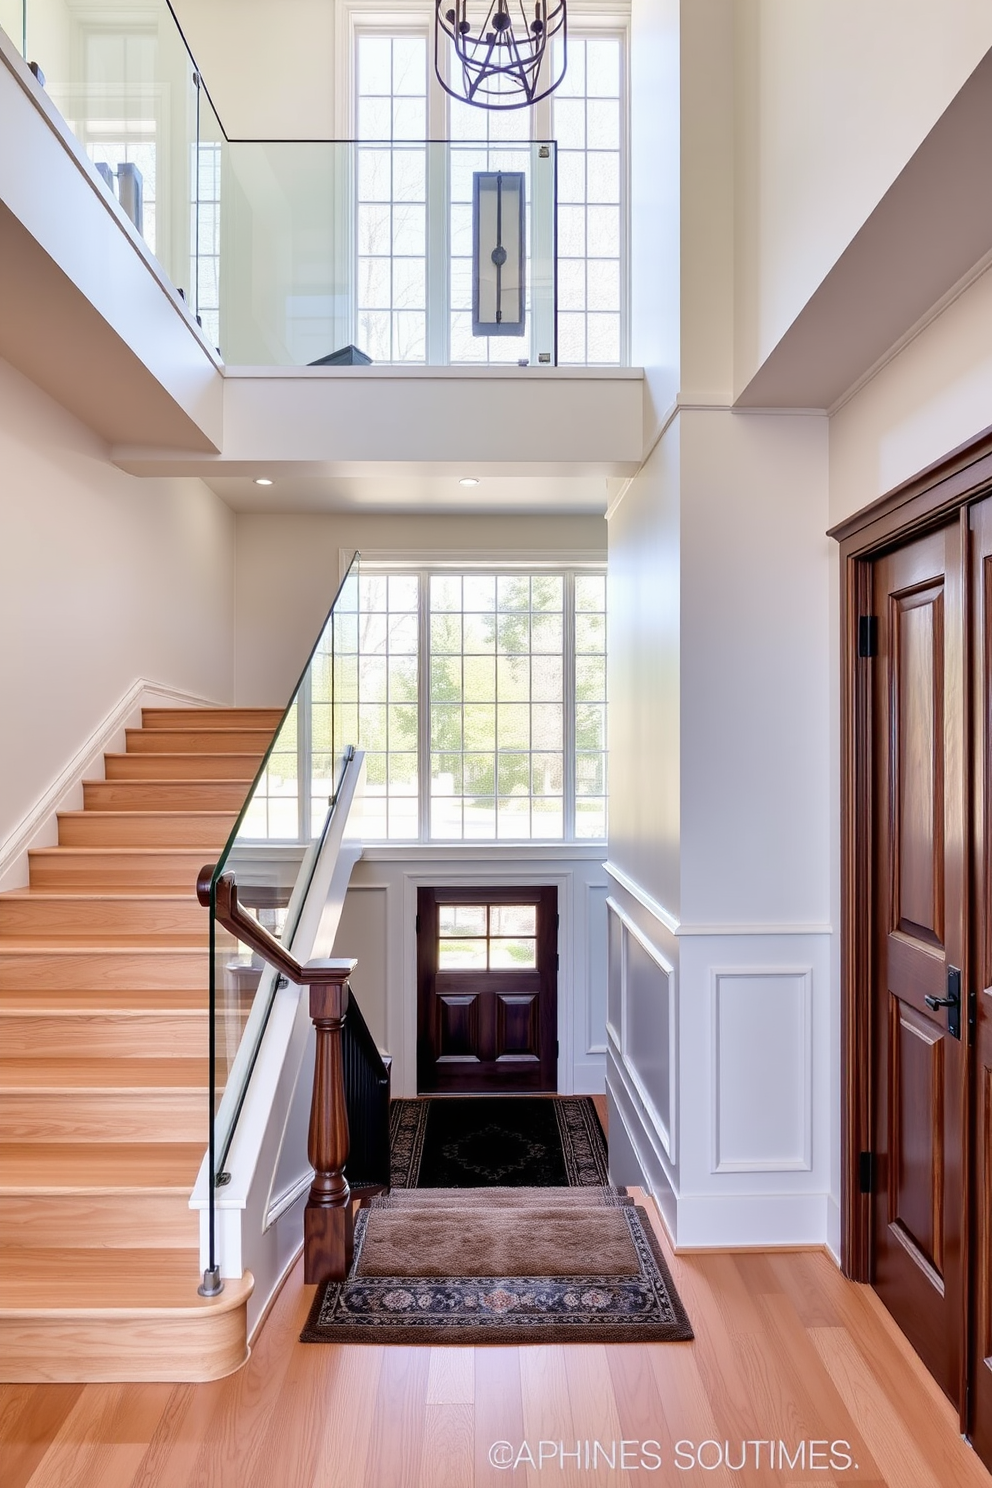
(981, 981)
(487, 989)
(918, 914)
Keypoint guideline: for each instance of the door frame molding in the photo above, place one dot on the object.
(926, 501)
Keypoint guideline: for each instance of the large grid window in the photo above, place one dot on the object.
(587, 121)
(391, 206)
(481, 705)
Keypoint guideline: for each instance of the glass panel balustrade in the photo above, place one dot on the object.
(369, 244)
(122, 78)
(273, 850)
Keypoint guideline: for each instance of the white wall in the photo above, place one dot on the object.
(930, 398)
(754, 656)
(104, 579)
(269, 64)
(644, 677)
(835, 96)
(654, 197)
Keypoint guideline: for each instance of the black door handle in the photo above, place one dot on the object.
(952, 1002)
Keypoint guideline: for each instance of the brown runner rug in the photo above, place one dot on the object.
(514, 1274)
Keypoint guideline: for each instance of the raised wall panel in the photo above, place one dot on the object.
(614, 971)
(597, 970)
(645, 1033)
(762, 1062)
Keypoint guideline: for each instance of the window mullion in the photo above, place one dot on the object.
(568, 692)
(424, 712)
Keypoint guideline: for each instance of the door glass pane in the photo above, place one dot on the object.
(513, 919)
(461, 955)
(515, 955)
(461, 919)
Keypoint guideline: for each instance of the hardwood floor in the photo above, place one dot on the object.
(786, 1351)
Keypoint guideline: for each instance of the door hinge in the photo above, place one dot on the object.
(557, 1048)
(557, 961)
(868, 635)
(866, 1172)
(416, 925)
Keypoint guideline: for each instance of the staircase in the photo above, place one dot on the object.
(103, 1066)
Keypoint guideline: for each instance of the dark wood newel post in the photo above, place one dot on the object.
(328, 1226)
(328, 1229)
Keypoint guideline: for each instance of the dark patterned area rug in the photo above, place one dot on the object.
(508, 1141)
(637, 1303)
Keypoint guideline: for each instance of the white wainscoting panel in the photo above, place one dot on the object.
(646, 1037)
(597, 968)
(762, 1118)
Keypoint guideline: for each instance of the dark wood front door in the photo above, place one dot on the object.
(487, 977)
(920, 873)
(981, 983)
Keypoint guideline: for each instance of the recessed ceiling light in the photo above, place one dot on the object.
(468, 480)
(262, 480)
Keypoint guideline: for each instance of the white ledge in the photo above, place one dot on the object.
(418, 372)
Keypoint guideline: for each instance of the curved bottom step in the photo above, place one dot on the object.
(91, 1315)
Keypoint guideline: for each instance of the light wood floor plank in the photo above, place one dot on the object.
(447, 1457)
(397, 1445)
(451, 1376)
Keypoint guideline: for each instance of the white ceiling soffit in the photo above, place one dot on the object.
(494, 495)
(930, 229)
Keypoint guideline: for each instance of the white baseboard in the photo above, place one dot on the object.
(751, 1221)
(39, 827)
(833, 1227)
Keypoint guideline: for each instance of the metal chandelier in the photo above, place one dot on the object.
(500, 50)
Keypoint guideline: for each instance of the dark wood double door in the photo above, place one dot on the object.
(487, 976)
(929, 725)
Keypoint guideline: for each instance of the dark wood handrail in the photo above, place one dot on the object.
(247, 929)
(328, 1221)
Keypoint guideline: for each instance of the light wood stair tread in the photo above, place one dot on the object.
(92, 1167)
(88, 816)
(211, 717)
(249, 758)
(92, 854)
(146, 1283)
(114, 1075)
(164, 945)
(101, 896)
(112, 1000)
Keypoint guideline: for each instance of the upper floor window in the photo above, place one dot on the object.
(588, 122)
(414, 212)
(391, 106)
